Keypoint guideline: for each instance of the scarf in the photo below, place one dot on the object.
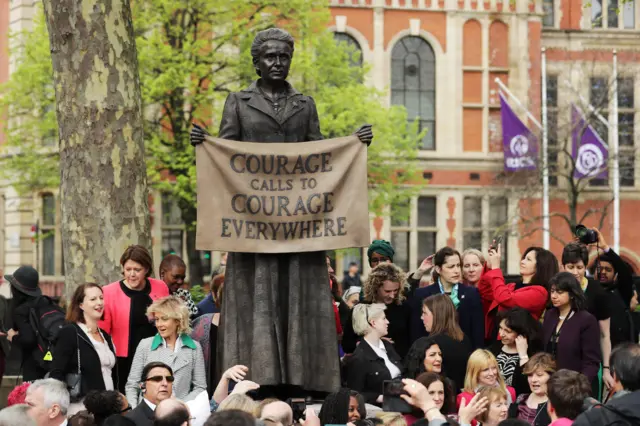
(453, 295)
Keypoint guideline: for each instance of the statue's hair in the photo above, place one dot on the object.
(266, 35)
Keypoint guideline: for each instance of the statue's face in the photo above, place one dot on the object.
(274, 61)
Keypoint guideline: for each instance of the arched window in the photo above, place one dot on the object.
(413, 84)
(354, 47)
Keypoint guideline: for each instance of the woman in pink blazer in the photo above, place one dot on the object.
(125, 307)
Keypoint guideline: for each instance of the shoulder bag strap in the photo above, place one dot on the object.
(78, 349)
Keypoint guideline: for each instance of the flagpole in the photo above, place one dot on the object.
(588, 105)
(616, 154)
(517, 102)
(545, 157)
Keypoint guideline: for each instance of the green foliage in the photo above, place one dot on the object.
(28, 100)
(197, 293)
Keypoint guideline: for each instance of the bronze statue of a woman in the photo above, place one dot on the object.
(277, 318)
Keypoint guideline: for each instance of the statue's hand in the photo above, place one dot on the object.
(197, 135)
(365, 134)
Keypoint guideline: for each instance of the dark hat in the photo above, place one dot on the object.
(25, 280)
(381, 247)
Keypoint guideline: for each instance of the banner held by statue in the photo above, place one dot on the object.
(279, 198)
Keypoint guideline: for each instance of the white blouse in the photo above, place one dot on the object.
(107, 358)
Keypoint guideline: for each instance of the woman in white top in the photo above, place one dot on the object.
(83, 341)
(374, 360)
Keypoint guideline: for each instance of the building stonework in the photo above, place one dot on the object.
(440, 58)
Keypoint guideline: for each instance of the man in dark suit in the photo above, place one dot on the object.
(156, 384)
(467, 299)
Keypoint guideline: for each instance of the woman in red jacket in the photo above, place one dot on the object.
(536, 267)
(125, 306)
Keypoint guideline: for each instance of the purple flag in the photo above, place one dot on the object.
(520, 145)
(589, 151)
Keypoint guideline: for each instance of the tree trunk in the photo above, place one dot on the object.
(103, 189)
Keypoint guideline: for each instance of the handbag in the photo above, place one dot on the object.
(74, 380)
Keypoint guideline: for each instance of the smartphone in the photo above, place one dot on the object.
(391, 401)
(298, 406)
(496, 242)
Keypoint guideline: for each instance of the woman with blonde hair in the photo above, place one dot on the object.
(472, 266)
(173, 346)
(239, 402)
(392, 419)
(385, 285)
(375, 359)
(482, 371)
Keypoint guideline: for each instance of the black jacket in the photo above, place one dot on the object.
(620, 411)
(399, 317)
(622, 327)
(455, 356)
(142, 415)
(65, 359)
(470, 314)
(542, 416)
(366, 372)
(27, 341)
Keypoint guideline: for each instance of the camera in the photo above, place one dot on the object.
(586, 235)
(298, 406)
(391, 397)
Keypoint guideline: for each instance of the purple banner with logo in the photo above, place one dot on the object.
(589, 151)
(520, 145)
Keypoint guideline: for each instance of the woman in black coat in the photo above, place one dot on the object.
(82, 338)
(439, 318)
(26, 295)
(374, 360)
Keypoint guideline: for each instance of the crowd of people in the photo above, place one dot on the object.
(464, 345)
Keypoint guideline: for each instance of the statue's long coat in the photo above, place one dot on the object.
(277, 317)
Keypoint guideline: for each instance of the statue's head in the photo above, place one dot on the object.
(272, 51)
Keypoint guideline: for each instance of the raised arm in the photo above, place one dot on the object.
(624, 274)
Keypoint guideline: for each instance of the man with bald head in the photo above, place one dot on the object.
(278, 412)
(171, 412)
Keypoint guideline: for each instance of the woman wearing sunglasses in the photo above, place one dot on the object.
(173, 346)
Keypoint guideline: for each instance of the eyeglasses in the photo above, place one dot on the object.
(376, 260)
(126, 409)
(158, 379)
